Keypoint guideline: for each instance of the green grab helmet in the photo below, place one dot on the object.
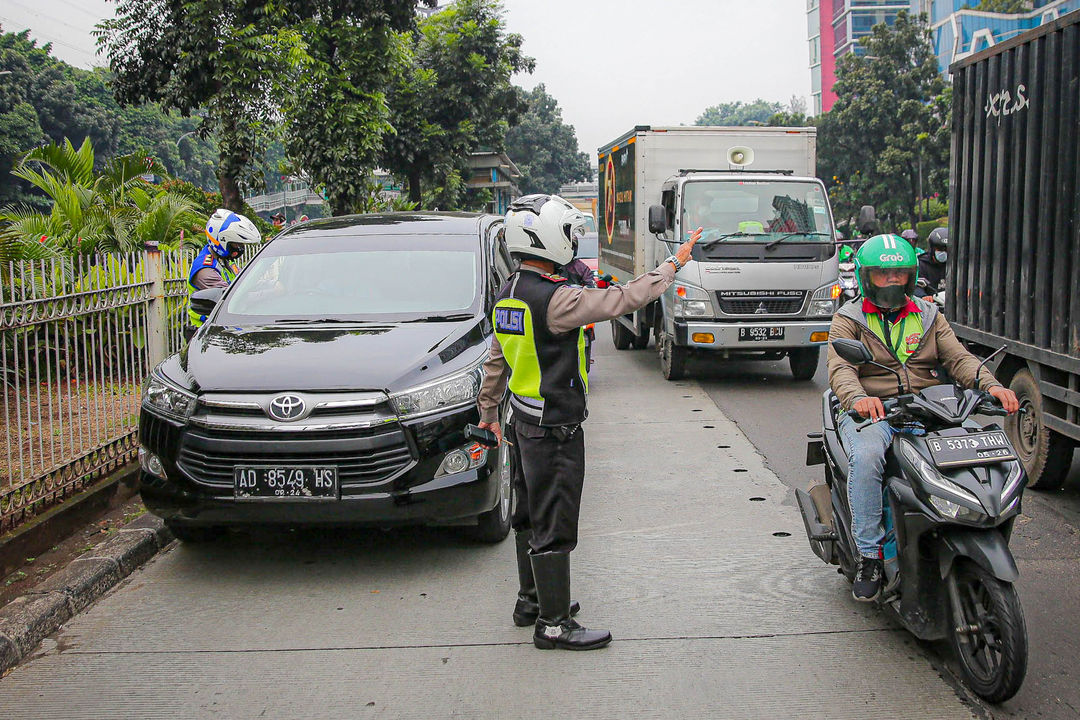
(886, 252)
(845, 253)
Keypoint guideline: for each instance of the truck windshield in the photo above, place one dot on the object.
(756, 211)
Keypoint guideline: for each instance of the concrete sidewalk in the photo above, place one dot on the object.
(718, 607)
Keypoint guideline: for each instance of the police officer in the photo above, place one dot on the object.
(226, 233)
(538, 350)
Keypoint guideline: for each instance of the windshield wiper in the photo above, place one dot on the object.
(284, 321)
(443, 318)
(726, 236)
(773, 243)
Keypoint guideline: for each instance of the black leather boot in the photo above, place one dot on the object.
(554, 627)
(527, 609)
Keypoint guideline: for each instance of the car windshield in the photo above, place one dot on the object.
(368, 285)
(757, 211)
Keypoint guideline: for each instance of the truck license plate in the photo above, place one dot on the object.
(288, 481)
(757, 334)
(973, 449)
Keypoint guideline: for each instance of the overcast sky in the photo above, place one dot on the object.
(611, 64)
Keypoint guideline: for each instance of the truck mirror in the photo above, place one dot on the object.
(867, 220)
(657, 219)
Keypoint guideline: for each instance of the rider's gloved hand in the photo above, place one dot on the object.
(1006, 397)
(869, 407)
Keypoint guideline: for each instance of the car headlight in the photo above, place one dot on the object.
(469, 457)
(168, 398)
(691, 301)
(942, 502)
(448, 392)
(824, 301)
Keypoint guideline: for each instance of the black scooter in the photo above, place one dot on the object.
(951, 497)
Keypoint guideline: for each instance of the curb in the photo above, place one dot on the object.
(27, 620)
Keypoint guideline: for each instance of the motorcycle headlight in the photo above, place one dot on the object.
(945, 502)
(459, 389)
(824, 301)
(167, 398)
(691, 301)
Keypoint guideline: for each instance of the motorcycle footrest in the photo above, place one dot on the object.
(815, 529)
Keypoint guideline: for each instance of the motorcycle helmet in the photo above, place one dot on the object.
(845, 253)
(545, 227)
(886, 252)
(939, 244)
(229, 232)
(910, 235)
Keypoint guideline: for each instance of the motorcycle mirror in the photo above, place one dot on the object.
(867, 222)
(852, 350)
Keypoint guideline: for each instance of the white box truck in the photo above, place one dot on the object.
(762, 282)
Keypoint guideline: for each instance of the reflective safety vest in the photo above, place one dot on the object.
(903, 336)
(548, 373)
(206, 258)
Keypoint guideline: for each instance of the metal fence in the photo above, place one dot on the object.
(77, 338)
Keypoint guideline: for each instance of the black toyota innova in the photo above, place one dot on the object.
(332, 382)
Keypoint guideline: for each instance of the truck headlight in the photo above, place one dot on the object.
(825, 300)
(451, 391)
(167, 398)
(691, 301)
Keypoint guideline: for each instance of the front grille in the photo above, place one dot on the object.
(361, 458)
(763, 305)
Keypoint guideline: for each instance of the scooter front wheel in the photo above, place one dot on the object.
(989, 634)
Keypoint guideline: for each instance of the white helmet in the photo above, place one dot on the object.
(226, 228)
(546, 227)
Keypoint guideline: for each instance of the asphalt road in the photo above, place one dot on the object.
(690, 552)
(775, 412)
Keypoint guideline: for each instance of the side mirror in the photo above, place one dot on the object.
(657, 219)
(204, 301)
(852, 350)
(867, 220)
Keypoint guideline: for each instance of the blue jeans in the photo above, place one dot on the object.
(866, 461)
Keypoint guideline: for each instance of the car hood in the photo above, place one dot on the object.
(387, 357)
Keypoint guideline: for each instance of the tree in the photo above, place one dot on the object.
(1004, 6)
(739, 113)
(338, 115)
(543, 147)
(231, 58)
(454, 97)
(890, 124)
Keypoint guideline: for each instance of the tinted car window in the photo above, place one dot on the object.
(368, 279)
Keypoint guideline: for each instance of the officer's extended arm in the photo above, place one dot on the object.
(496, 373)
(208, 278)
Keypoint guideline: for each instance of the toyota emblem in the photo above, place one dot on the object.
(286, 407)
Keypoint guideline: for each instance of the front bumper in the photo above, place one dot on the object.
(386, 477)
(797, 334)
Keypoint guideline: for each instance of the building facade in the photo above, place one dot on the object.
(835, 26)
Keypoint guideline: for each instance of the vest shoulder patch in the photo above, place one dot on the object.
(554, 278)
(510, 321)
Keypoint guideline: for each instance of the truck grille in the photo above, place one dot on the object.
(761, 305)
(209, 459)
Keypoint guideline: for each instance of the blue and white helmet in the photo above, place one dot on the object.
(226, 227)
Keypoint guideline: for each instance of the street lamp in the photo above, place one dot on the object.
(190, 132)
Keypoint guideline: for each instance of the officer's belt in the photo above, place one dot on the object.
(528, 409)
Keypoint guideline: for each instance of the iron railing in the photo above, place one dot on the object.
(78, 337)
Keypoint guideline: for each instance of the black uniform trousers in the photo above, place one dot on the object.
(548, 474)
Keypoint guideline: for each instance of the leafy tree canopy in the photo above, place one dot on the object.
(543, 147)
(454, 97)
(889, 125)
(739, 113)
(231, 58)
(1004, 6)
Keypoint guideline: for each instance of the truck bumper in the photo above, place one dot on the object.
(725, 336)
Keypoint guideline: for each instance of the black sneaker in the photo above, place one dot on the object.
(868, 579)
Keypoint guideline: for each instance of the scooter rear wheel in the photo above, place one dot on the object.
(990, 640)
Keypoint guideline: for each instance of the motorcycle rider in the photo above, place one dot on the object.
(912, 337)
(227, 233)
(538, 351)
(932, 264)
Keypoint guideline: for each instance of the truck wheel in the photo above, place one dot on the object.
(672, 359)
(804, 362)
(1045, 454)
(620, 335)
(641, 341)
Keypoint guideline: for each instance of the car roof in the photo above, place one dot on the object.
(400, 223)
